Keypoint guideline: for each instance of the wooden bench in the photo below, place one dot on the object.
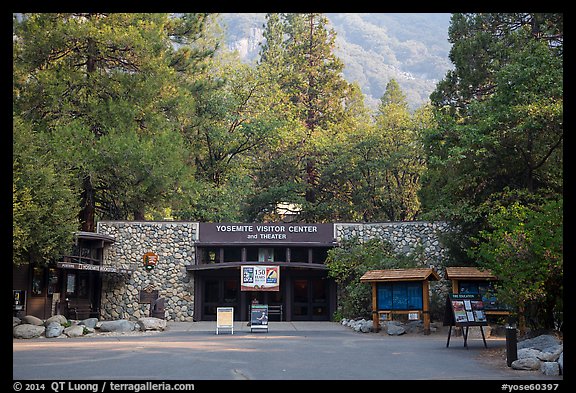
(276, 310)
(81, 309)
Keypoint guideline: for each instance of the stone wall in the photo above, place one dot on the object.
(409, 237)
(174, 243)
(421, 238)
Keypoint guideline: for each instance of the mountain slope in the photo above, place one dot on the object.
(375, 47)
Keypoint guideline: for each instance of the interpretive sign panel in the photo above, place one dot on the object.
(225, 319)
(260, 278)
(147, 296)
(259, 316)
(466, 310)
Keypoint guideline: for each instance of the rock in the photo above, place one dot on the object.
(151, 323)
(16, 321)
(394, 329)
(366, 326)
(74, 331)
(550, 368)
(27, 330)
(526, 364)
(54, 329)
(61, 319)
(544, 343)
(548, 352)
(119, 325)
(525, 353)
(32, 320)
(89, 322)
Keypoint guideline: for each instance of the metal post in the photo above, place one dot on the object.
(511, 345)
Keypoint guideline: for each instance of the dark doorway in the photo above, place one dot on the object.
(310, 299)
(224, 292)
(271, 298)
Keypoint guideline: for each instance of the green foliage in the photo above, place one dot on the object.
(523, 247)
(43, 217)
(347, 263)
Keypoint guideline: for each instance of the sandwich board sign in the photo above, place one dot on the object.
(259, 317)
(225, 319)
(464, 310)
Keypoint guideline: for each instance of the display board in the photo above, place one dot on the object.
(259, 317)
(465, 310)
(225, 319)
(260, 278)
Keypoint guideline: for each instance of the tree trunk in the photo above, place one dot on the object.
(87, 205)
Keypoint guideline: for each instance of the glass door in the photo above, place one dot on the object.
(301, 300)
(310, 299)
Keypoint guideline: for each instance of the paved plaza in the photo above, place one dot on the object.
(192, 351)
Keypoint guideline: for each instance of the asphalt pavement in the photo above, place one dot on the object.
(297, 351)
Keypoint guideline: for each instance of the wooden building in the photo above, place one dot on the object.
(70, 286)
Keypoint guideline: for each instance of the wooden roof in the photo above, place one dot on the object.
(468, 273)
(414, 274)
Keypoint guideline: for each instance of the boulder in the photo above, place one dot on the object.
(151, 323)
(74, 331)
(61, 319)
(526, 364)
(395, 329)
(89, 322)
(27, 330)
(54, 329)
(32, 320)
(118, 325)
(550, 368)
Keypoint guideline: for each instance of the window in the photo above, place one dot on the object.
(399, 296)
(37, 281)
(265, 255)
(53, 282)
(319, 255)
(298, 254)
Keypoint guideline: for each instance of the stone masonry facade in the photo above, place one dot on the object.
(174, 242)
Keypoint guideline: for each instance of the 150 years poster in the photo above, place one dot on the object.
(260, 278)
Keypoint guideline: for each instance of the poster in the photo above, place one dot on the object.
(465, 310)
(260, 278)
(225, 319)
(259, 315)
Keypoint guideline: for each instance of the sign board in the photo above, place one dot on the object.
(225, 319)
(465, 310)
(259, 316)
(148, 296)
(150, 260)
(260, 278)
(266, 233)
(413, 316)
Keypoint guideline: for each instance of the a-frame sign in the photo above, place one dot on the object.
(464, 310)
